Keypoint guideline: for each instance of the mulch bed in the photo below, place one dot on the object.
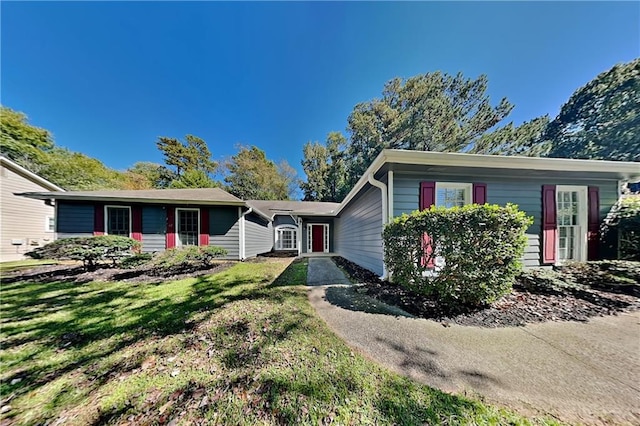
(528, 302)
(76, 273)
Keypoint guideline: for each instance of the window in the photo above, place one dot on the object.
(450, 194)
(118, 221)
(188, 226)
(286, 237)
(50, 224)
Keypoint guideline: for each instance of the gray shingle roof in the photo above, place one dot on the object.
(270, 208)
(174, 196)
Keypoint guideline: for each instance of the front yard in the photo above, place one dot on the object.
(242, 346)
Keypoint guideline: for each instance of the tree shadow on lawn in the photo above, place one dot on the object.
(85, 323)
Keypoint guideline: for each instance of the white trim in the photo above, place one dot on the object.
(277, 243)
(583, 221)
(106, 217)
(299, 236)
(467, 187)
(325, 237)
(385, 214)
(241, 232)
(390, 201)
(177, 225)
(17, 168)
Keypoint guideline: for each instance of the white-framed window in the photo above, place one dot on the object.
(286, 237)
(571, 217)
(117, 220)
(50, 224)
(187, 227)
(453, 194)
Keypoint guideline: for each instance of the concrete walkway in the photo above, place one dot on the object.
(322, 271)
(578, 372)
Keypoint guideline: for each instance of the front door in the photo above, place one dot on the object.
(572, 223)
(317, 238)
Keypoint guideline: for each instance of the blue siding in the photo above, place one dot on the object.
(525, 192)
(74, 220)
(224, 230)
(154, 225)
(358, 231)
(258, 235)
(329, 221)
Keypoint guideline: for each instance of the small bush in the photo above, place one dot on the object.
(473, 252)
(90, 250)
(621, 228)
(187, 257)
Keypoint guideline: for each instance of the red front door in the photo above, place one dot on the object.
(317, 238)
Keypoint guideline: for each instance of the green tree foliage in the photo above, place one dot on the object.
(251, 175)
(193, 179)
(75, 171)
(22, 142)
(150, 175)
(526, 139)
(192, 154)
(325, 168)
(429, 112)
(601, 120)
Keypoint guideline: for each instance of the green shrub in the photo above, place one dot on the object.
(476, 250)
(621, 228)
(90, 250)
(187, 257)
(136, 260)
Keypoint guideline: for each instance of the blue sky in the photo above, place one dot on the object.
(109, 78)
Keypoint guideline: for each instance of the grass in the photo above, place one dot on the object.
(16, 265)
(239, 347)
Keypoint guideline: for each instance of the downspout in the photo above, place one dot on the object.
(385, 213)
(242, 233)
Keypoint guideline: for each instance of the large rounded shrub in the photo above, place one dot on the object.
(463, 255)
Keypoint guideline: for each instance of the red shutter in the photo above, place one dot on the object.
(593, 220)
(479, 193)
(427, 194)
(171, 227)
(136, 223)
(98, 219)
(204, 226)
(549, 226)
(427, 199)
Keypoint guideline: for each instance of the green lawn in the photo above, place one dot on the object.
(16, 265)
(240, 347)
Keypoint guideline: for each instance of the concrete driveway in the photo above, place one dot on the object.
(578, 372)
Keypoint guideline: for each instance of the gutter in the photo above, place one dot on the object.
(242, 233)
(385, 213)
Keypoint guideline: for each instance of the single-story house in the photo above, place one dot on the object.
(24, 224)
(567, 198)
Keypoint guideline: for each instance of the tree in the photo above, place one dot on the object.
(193, 179)
(526, 139)
(151, 174)
(430, 112)
(601, 120)
(325, 168)
(250, 175)
(22, 142)
(193, 154)
(76, 171)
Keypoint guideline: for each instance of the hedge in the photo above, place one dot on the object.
(90, 250)
(472, 257)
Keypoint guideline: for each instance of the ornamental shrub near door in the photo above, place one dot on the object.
(466, 255)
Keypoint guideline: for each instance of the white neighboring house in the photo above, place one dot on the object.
(24, 223)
